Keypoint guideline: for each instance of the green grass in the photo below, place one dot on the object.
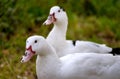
(83, 28)
(20, 19)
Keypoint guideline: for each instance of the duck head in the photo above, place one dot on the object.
(57, 15)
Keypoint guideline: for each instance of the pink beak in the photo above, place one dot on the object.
(29, 53)
(51, 19)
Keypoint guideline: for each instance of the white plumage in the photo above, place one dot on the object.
(71, 66)
(57, 37)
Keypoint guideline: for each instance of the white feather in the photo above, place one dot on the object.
(57, 37)
(72, 66)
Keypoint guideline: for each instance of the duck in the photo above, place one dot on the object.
(71, 66)
(57, 37)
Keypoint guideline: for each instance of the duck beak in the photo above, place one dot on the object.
(51, 19)
(28, 55)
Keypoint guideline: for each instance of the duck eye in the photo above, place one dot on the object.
(35, 41)
(58, 10)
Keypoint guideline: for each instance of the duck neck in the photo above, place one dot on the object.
(59, 31)
(47, 64)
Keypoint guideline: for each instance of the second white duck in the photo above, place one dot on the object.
(57, 37)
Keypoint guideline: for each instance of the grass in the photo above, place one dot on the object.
(97, 29)
(92, 28)
(24, 18)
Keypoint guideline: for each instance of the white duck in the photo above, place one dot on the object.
(57, 37)
(72, 66)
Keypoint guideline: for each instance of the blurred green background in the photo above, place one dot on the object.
(91, 20)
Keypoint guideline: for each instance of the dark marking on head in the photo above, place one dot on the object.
(62, 8)
(115, 51)
(74, 42)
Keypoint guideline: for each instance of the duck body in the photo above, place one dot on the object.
(57, 37)
(64, 47)
(72, 66)
(90, 66)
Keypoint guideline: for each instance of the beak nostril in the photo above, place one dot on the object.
(25, 53)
